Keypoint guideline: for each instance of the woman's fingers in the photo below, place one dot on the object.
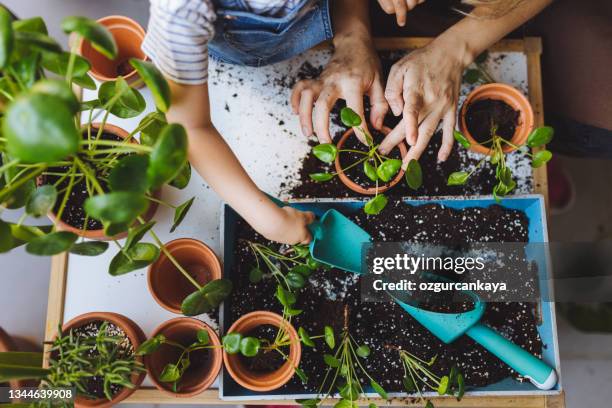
(395, 89)
(305, 111)
(296, 94)
(397, 135)
(322, 109)
(413, 104)
(354, 100)
(448, 126)
(387, 6)
(425, 132)
(378, 104)
(400, 12)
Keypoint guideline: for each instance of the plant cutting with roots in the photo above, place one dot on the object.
(343, 373)
(46, 152)
(376, 167)
(503, 174)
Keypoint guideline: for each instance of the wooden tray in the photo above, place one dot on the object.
(532, 48)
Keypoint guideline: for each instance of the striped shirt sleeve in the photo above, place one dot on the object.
(177, 38)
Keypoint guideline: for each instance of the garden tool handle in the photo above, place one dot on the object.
(314, 227)
(537, 371)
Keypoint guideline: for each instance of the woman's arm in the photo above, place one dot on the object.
(216, 163)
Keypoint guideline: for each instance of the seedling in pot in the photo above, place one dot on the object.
(345, 369)
(503, 174)
(376, 167)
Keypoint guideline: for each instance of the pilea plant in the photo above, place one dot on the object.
(477, 72)
(53, 152)
(342, 374)
(376, 167)
(418, 375)
(503, 174)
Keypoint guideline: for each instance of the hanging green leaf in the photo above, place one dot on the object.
(41, 201)
(231, 343)
(181, 212)
(414, 175)
(541, 158)
(207, 298)
(136, 234)
(330, 339)
(168, 157)
(154, 80)
(116, 207)
(100, 38)
(370, 171)
(388, 169)
(89, 248)
(137, 257)
(6, 237)
(40, 128)
(349, 117)
(305, 337)
(23, 234)
(249, 346)
(540, 136)
(129, 174)
(460, 137)
(151, 345)
(151, 127)
(325, 152)
(320, 177)
(51, 244)
(6, 36)
(121, 100)
(182, 179)
(457, 178)
(375, 205)
(59, 89)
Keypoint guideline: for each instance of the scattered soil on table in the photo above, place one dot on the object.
(265, 361)
(74, 213)
(481, 116)
(383, 324)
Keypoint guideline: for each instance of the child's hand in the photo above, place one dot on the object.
(400, 8)
(291, 227)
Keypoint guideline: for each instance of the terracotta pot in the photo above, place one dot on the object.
(261, 381)
(136, 336)
(99, 234)
(356, 187)
(168, 285)
(512, 97)
(128, 35)
(201, 374)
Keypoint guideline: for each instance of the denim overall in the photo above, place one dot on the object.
(245, 38)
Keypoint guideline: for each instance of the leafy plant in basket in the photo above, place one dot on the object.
(503, 174)
(376, 167)
(52, 162)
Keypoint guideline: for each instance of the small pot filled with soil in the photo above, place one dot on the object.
(73, 218)
(498, 106)
(268, 370)
(354, 177)
(130, 337)
(168, 285)
(204, 365)
(128, 35)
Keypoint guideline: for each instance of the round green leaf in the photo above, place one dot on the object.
(375, 205)
(325, 152)
(58, 64)
(363, 351)
(6, 36)
(129, 174)
(155, 81)
(388, 169)
(59, 89)
(303, 270)
(138, 256)
(85, 81)
(51, 244)
(182, 179)
(203, 337)
(443, 387)
(320, 177)
(38, 41)
(40, 128)
(100, 38)
(541, 158)
(471, 76)
(170, 373)
(41, 201)
(379, 390)
(151, 345)
(89, 248)
(128, 105)
(207, 298)
(34, 24)
(181, 212)
(110, 229)
(463, 141)
(414, 175)
(349, 117)
(540, 136)
(231, 343)
(295, 280)
(255, 275)
(151, 127)
(331, 361)
(370, 171)
(330, 339)
(136, 233)
(249, 346)
(117, 207)
(168, 157)
(457, 178)
(305, 337)
(6, 237)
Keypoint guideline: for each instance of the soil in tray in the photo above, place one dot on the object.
(384, 326)
(74, 213)
(481, 116)
(265, 361)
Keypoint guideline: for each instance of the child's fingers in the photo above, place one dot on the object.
(305, 111)
(378, 104)
(322, 109)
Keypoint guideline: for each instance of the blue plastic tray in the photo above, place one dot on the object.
(533, 207)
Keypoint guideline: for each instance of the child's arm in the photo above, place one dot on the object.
(216, 163)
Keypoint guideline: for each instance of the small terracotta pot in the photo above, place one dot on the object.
(168, 285)
(356, 187)
(258, 381)
(128, 35)
(99, 233)
(136, 336)
(201, 374)
(512, 97)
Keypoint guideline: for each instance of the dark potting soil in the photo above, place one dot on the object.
(74, 213)
(356, 173)
(124, 68)
(481, 116)
(384, 326)
(265, 361)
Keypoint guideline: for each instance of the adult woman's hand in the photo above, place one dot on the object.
(354, 71)
(400, 8)
(424, 87)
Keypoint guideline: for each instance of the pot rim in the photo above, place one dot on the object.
(510, 95)
(358, 188)
(269, 381)
(216, 271)
(217, 359)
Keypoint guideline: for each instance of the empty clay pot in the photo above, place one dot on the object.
(356, 187)
(128, 35)
(205, 364)
(512, 97)
(136, 336)
(263, 381)
(168, 285)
